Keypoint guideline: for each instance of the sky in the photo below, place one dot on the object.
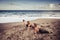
(29, 4)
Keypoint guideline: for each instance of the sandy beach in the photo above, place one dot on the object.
(17, 31)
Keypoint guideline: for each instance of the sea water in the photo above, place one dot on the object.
(18, 16)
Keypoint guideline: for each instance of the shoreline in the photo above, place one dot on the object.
(15, 20)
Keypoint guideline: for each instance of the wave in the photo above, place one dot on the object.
(6, 17)
(30, 14)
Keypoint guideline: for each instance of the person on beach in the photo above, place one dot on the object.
(24, 22)
(28, 25)
(38, 30)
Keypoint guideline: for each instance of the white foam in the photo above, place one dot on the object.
(19, 19)
(15, 19)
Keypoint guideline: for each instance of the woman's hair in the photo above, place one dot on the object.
(23, 20)
(28, 22)
(35, 25)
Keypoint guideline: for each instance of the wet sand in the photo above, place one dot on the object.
(17, 31)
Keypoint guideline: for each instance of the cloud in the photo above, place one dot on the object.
(28, 6)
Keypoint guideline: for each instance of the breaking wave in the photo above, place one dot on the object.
(19, 16)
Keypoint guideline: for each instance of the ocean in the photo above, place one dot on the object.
(19, 15)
